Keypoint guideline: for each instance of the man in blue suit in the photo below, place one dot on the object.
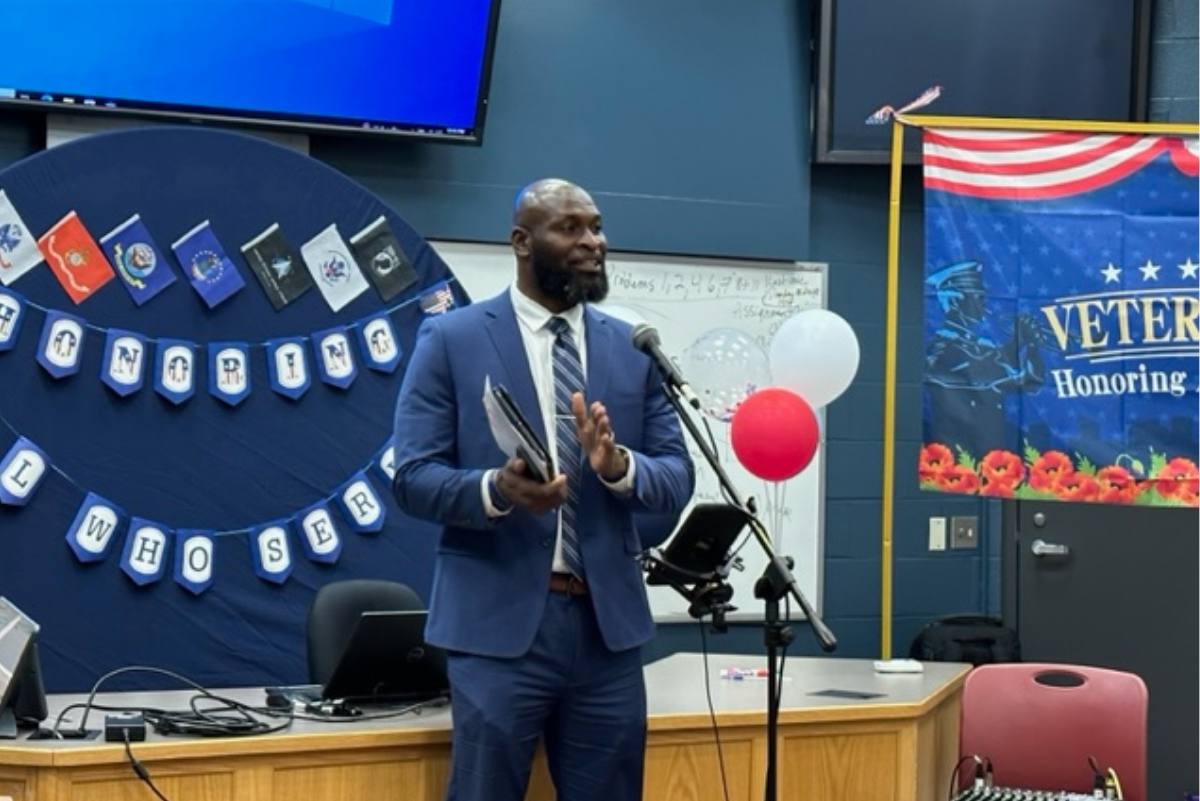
(537, 592)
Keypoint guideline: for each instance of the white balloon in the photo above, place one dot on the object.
(815, 354)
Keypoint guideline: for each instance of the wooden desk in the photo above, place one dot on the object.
(899, 747)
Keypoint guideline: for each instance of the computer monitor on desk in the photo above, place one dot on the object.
(22, 699)
(386, 660)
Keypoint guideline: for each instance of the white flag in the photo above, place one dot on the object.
(333, 268)
(18, 246)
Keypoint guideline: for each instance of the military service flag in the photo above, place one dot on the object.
(18, 248)
(382, 259)
(138, 262)
(75, 258)
(277, 267)
(333, 268)
(210, 271)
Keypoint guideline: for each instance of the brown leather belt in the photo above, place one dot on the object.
(567, 584)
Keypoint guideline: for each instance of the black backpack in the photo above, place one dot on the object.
(977, 639)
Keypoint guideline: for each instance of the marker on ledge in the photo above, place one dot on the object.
(742, 674)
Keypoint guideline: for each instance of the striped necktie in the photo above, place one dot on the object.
(568, 379)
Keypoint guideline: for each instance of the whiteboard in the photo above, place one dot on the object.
(686, 298)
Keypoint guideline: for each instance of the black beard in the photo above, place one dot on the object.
(566, 285)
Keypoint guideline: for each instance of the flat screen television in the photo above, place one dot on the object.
(386, 67)
(1040, 59)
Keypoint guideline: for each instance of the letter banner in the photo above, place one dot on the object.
(229, 371)
(144, 558)
(195, 551)
(175, 370)
(287, 365)
(377, 340)
(21, 472)
(1062, 316)
(270, 551)
(96, 524)
(61, 345)
(385, 462)
(124, 361)
(335, 358)
(319, 534)
(12, 314)
(361, 505)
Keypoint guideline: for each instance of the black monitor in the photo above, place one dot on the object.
(22, 698)
(386, 660)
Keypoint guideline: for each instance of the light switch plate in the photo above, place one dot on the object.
(937, 533)
(964, 532)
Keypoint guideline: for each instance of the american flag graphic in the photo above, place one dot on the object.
(1025, 165)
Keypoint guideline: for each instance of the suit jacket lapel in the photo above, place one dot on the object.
(600, 346)
(511, 361)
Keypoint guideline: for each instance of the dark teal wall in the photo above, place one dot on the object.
(691, 129)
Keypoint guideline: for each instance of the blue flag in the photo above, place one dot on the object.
(229, 371)
(21, 472)
(1062, 316)
(175, 370)
(96, 524)
(361, 504)
(124, 361)
(144, 558)
(319, 534)
(271, 552)
(12, 314)
(138, 261)
(60, 348)
(335, 357)
(377, 340)
(195, 553)
(287, 364)
(211, 272)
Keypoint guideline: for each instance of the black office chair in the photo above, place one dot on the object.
(336, 610)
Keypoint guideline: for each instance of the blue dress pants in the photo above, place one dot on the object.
(588, 703)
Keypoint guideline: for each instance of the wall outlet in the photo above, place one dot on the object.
(937, 533)
(964, 532)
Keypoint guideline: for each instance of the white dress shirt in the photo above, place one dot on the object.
(533, 321)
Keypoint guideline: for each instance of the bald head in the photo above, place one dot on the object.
(541, 198)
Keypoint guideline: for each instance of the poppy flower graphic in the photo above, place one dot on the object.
(935, 457)
(957, 478)
(1048, 468)
(997, 489)
(1116, 485)
(1172, 479)
(1076, 487)
(1189, 492)
(1002, 467)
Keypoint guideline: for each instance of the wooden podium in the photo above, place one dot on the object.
(898, 746)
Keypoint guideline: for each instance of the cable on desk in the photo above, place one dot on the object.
(140, 770)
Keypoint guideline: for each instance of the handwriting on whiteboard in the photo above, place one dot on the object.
(788, 290)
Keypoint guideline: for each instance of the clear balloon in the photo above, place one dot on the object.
(724, 366)
(815, 354)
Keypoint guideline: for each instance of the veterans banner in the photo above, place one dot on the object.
(1062, 316)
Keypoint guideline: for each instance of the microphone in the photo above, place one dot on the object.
(645, 339)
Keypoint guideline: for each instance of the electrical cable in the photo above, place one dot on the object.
(140, 771)
(712, 714)
(954, 775)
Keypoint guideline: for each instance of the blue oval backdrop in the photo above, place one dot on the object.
(200, 465)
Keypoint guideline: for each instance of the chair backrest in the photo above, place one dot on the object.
(1039, 723)
(335, 611)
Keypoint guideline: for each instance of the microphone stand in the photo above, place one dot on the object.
(775, 583)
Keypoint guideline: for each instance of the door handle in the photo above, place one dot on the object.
(1042, 548)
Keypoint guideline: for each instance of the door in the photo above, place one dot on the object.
(1115, 586)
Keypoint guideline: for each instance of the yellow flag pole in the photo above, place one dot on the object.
(889, 392)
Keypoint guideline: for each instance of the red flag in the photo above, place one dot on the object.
(74, 258)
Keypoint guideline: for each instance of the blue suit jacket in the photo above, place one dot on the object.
(490, 579)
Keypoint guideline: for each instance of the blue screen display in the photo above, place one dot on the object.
(402, 64)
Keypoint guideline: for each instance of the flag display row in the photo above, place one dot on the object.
(340, 270)
(149, 548)
(333, 353)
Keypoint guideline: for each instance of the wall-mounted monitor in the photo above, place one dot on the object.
(1042, 59)
(385, 67)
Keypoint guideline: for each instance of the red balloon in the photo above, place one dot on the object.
(774, 433)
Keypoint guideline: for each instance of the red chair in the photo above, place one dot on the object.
(1039, 723)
